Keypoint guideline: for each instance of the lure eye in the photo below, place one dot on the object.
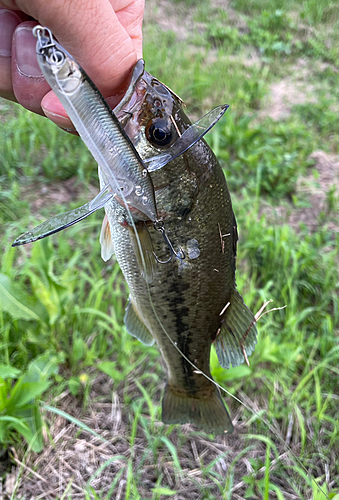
(159, 132)
(56, 57)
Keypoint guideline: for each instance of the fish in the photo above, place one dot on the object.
(190, 303)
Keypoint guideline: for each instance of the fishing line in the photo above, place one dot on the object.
(254, 413)
(258, 316)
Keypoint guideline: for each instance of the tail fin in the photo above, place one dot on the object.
(207, 413)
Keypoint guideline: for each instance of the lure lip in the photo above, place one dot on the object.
(46, 228)
(188, 139)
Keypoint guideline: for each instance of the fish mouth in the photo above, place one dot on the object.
(137, 72)
(138, 214)
(147, 106)
(134, 95)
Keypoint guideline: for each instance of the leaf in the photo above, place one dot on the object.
(32, 390)
(173, 451)
(8, 422)
(75, 421)
(7, 371)
(4, 389)
(74, 385)
(16, 302)
(35, 423)
(237, 372)
(164, 491)
(47, 295)
(32, 418)
(24, 392)
(108, 367)
(13, 421)
(43, 367)
(79, 348)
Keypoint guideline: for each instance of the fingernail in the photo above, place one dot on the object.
(27, 62)
(61, 121)
(8, 22)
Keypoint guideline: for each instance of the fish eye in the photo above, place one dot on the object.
(159, 132)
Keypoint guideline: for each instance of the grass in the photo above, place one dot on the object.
(61, 321)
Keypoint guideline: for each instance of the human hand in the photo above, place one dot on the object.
(104, 36)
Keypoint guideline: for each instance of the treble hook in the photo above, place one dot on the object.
(159, 226)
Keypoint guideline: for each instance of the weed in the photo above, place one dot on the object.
(269, 155)
(19, 408)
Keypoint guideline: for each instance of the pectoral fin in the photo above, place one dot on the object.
(143, 249)
(107, 249)
(238, 333)
(136, 327)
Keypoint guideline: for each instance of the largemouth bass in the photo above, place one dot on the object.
(188, 303)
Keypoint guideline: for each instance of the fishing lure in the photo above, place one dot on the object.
(98, 127)
(126, 175)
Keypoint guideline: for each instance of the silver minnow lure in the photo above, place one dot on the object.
(125, 174)
(121, 166)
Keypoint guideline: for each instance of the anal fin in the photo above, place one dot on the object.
(136, 327)
(238, 333)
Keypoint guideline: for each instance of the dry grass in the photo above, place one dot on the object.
(75, 460)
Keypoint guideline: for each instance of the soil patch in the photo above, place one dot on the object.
(180, 18)
(56, 193)
(318, 190)
(294, 89)
(284, 95)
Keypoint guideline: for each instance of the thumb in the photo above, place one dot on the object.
(91, 31)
